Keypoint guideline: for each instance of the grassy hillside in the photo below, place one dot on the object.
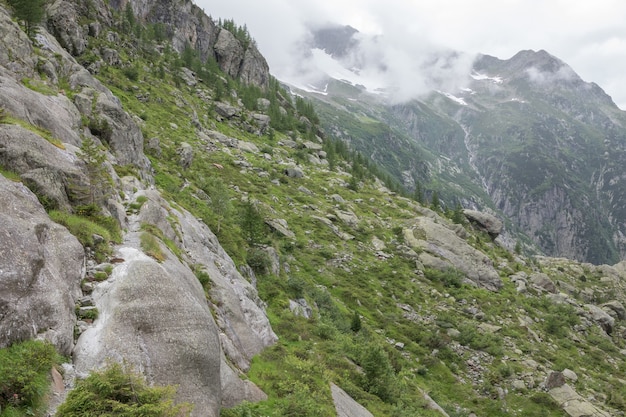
(388, 330)
(382, 327)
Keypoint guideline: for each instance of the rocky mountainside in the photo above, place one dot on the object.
(196, 224)
(525, 137)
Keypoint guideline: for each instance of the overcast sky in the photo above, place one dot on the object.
(590, 36)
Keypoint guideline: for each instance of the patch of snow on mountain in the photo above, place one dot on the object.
(456, 99)
(479, 77)
(336, 70)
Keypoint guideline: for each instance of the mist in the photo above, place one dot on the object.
(415, 41)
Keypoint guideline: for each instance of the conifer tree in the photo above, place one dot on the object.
(30, 12)
(434, 202)
(94, 157)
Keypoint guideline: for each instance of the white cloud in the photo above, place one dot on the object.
(589, 36)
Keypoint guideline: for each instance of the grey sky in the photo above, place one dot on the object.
(589, 36)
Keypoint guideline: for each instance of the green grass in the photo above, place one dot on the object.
(24, 370)
(44, 133)
(150, 245)
(85, 228)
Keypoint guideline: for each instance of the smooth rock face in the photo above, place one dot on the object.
(41, 265)
(40, 164)
(443, 249)
(155, 317)
(486, 221)
(240, 312)
(345, 405)
(244, 329)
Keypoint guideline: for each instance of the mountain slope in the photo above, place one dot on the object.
(238, 220)
(526, 137)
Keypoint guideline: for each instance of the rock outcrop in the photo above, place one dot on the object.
(188, 25)
(154, 317)
(443, 249)
(345, 405)
(41, 265)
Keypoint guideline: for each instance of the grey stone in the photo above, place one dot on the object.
(543, 282)
(601, 317)
(615, 308)
(280, 226)
(574, 404)
(64, 20)
(554, 380)
(185, 151)
(229, 53)
(300, 307)
(40, 271)
(226, 110)
(486, 221)
(293, 172)
(155, 317)
(442, 249)
(345, 405)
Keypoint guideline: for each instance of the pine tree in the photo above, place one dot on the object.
(418, 193)
(435, 205)
(30, 12)
(100, 182)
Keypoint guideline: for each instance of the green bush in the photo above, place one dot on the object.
(118, 392)
(450, 278)
(24, 370)
(258, 260)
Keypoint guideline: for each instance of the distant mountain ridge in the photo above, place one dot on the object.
(526, 137)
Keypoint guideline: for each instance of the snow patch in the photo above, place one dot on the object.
(456, 99)
(480, 77)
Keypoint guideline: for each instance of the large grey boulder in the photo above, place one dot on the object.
(442, 249)
(489, 223)
(155, 317)
(597, 314)
(244, 329)
(254, 69)
(542, 282)
(16, 51)
(345, 405)
(41, 266)
(240, 313)
(574, 404)
(51, 171)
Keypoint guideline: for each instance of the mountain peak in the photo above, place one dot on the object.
(335, 40)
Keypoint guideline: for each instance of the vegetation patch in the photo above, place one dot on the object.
(116, 391)
(24, 377)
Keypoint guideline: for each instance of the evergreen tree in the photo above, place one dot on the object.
(457, 215)
(434, 202)
(418, 193)
(94, 157)
(252, 223)
(30, 12)
(220, 203)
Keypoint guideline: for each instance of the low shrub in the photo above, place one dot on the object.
(120, 392)
(24, 370)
